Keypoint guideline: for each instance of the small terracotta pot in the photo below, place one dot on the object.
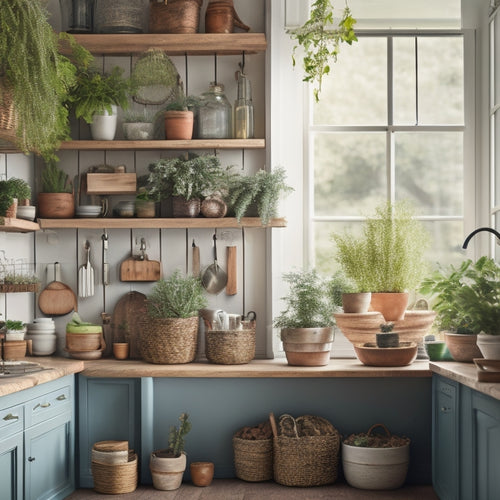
(462, 346)
(202, 473)
(356, 302)
(56, 205)
(11, 212)
(392, 305)
(120, 350)
(179, 125)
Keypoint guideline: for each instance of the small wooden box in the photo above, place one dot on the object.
(118, 183)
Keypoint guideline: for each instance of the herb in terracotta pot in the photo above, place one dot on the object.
(56, 199)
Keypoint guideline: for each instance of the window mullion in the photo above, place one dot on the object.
(390, 166)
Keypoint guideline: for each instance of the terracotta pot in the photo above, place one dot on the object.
(12, 210)
(202, 473)
(56, 205)
(356, 302)
(372, 355)
(462, 346)
(392, 305)
(167, 473)
(120, 350)
(220, 17)
(179, 125)
(307, 346)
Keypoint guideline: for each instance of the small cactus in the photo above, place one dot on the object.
(176, 435)
(386, 327)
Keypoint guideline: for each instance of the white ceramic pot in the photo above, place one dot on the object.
(43, 345)
(167, 473)
(489, 345)
(15, 334)
(103, 126)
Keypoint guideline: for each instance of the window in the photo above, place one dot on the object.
(389, 125)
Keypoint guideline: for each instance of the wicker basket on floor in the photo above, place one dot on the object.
(253, 459)
(310, 460)
(116, 478)
(230, 347)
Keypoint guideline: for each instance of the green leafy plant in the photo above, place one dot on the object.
(14, 325)
(321, 43)
(176, 435)
(309, 303)
(264, 190)
(190, 176)
(466, 298)
(179, 296)
(338, 285)
(36, 75)
(19, 188)
(55, 180)
(389, 254)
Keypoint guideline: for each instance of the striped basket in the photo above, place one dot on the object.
(115, 479)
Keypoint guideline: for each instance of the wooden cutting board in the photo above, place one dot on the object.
(127, 315)
(140, 270)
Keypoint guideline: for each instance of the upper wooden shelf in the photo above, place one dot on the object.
(158, 223)
(178, 44)
(92, 145)
(11, 225)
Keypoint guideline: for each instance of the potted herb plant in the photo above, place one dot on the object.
(179, 118)
(145, 204)
(387, 258)
(138, 126)
(15, 330)
(168, 465)
(307, 321)
(320, 42)
(56, 199)
(169, 332)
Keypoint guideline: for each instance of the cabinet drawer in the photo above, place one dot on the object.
(11, 420)
(48, 406)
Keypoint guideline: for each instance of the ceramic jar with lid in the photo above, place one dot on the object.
(214, 114)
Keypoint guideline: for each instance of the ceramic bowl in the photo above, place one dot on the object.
(371, 355)
(26, 212)
(85, 354)
(43, 345)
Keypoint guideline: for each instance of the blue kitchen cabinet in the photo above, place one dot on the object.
(11, 453)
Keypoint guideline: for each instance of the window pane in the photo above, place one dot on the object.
(348, 168)
(429, 171)
(355, 92)
(404, 81)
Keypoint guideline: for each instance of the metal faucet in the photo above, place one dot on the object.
(489, 229)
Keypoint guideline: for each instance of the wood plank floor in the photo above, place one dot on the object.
(234, 489)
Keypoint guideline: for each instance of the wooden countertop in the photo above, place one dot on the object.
(466, 374)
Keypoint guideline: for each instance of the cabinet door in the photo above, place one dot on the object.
(445, 461)
(49, 459)
(486, 460)
(11, 467)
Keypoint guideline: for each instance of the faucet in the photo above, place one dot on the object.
(489, 229)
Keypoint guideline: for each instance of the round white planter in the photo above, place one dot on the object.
(489, 345)
(103, 126)
(15, 334)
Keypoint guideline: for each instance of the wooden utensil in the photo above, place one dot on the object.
(57, 298)
(196, 260)
(232, 270)
(133, 269)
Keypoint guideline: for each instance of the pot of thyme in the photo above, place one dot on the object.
(168, 465)
(169, 331)
(307, 321)
(56, 199)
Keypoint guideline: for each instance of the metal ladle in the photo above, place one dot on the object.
(214, 278)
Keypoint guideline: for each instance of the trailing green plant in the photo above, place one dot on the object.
(309, 303)
(55, 180)
(95, 93)
(389, 254)
(179, 296)
(37, 74)
(190, 176)
(264, 189)
(466, 297)
(320, 42)
(176, 435)
(14, 325)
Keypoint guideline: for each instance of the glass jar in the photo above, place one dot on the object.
(214, 114)
(243, 109)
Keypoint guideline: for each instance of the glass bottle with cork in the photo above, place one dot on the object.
(243, 107)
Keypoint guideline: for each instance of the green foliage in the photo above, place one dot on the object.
(176, 435)
(95, 93)
(37, 74)
(321, 43)
(55, 180)
(339, 284)
(20, 188)
(466, 298)
(264, 189)
(14, 325)
(176, 297)
(309, 303)
(388, 256)
(192, 177)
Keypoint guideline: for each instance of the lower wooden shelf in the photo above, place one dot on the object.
(12, 225)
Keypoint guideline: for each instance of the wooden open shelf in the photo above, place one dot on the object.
(158, 223)
(178, 44)
(11, 225)
(92, 145)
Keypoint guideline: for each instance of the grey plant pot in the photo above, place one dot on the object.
(387, 339)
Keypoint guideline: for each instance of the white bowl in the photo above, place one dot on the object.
(43, 320)
(26, 212)
(43, 345)
(48, 331)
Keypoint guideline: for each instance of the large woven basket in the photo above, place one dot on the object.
(230, 347)
(305, 460)
(116, 478)
(169, 340)
(253, 459)
(174, 16)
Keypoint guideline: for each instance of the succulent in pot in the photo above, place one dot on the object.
(386, 337)
(56, 199)
(307, 321)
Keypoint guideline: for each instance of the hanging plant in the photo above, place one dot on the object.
(320, 42)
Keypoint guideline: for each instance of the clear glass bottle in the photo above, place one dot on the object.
(76, 16)
(243, 109)
(214, 114)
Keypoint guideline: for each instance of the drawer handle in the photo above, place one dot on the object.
(43, 405)
(444, 409)
(11, 417)
(62, 397)
(31, 459)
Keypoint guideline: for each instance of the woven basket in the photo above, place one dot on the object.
(185, 208)
(13, 288)
(115, 479)
(253, 459)
(174, 16)
(169, 340)
(305, 460)
(230, 347)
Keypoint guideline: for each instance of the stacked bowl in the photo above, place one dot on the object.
(88, 211)
(42, 333)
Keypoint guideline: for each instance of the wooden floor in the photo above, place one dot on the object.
(234, 489)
